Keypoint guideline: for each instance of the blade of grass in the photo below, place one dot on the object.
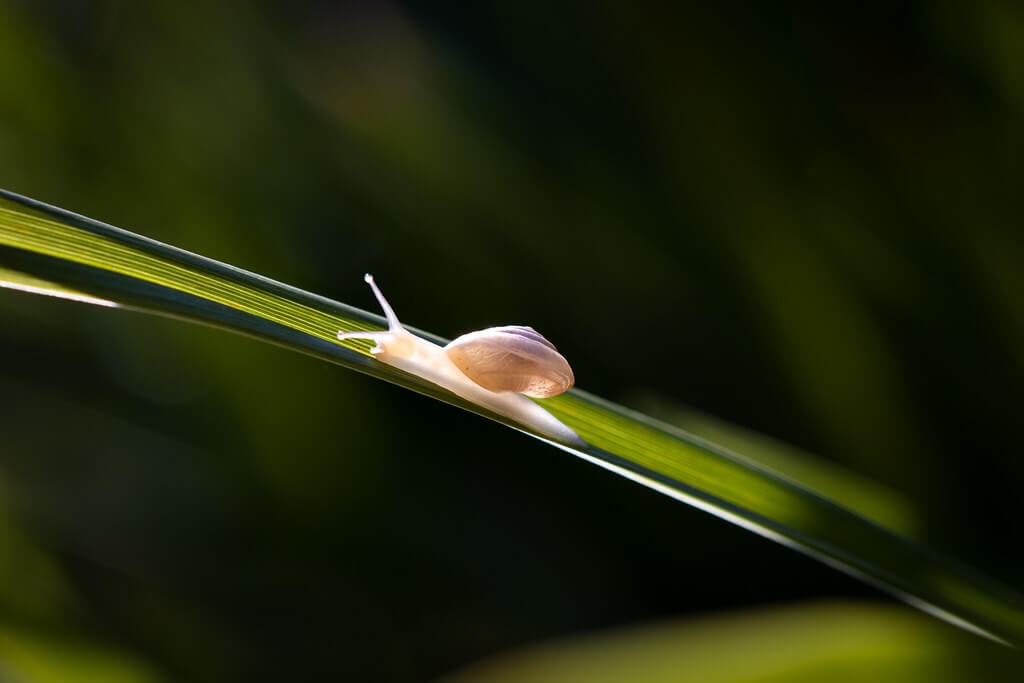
(71, 252)
(10, 279)
(880, 504)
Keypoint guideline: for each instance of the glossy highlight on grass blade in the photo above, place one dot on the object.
(10, 279)
(69, 253)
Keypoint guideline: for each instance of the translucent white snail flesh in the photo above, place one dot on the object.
(496, 368)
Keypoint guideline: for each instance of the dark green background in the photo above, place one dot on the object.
(806, 222)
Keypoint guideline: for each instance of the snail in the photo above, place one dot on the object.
(496, 368)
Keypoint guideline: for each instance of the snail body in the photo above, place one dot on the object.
(496, 368)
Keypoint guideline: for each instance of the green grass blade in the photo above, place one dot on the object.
(868, 498)
(64, 252)
(11, 279)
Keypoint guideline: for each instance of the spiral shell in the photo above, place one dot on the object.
(492, 368)
(511, 358)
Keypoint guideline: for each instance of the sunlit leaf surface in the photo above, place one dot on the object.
(50, 251)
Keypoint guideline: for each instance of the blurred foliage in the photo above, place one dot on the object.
(835, 642)
(816, 209)
(28, 657)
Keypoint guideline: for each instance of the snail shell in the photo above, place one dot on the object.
(496, 368)
(512, 358)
